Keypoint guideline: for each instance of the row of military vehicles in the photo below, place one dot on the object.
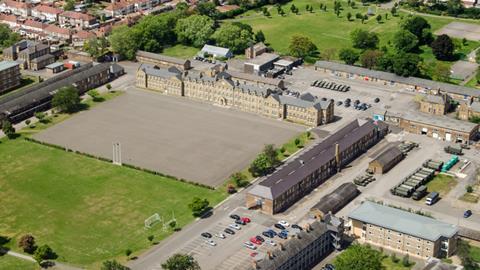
(414, 185)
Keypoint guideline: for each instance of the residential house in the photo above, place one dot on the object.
(58, 33)
(76, 19)
(17, 8)
(46, 13)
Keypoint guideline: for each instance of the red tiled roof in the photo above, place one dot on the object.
(117, 6)
(47, 9)
(77, 15)
(34, 24)
(15, 4)
(8, 18)
(58, 30)
(84, 35)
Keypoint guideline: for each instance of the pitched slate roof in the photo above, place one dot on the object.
(162, 57)
(307, 162)
(387, 156)
(337, 199)
(428, 84)
(402, 221)
(161, 72)
(441, 121)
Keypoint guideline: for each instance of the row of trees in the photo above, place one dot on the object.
(450, 8)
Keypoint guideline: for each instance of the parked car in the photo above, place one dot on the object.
(297, 227)
(346, 105)
(339, 103)
(206, 235)
(376, 100)
(239, 221)
(250, 245)
(283, 235)
(229, 231)
(236, 217)
(279, 226)
(259, 238)
(329, 267)
(467, 213)
(283, 223)
(235, 226)
(210, 242)
(220, 235)
(246, 219)
(271, 242)
(255, 240)
(267, 234)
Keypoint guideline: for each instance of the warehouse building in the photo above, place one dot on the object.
(456, 92)
(9, 75)
(385, 160)
(334, 201)
(401, 231)
(260, 64)
(292, 181)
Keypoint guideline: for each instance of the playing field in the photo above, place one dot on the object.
(86, 210)
(12, 263)
(324, 28)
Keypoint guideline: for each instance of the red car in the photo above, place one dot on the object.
(255, 241)
(246, 219)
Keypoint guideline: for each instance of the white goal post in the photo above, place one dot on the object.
(152, 220)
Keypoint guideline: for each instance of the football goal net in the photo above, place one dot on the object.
(152, 220)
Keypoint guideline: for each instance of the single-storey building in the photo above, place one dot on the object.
(386, 160)
(260, 64)
(162, 60)
(435, 104)
(217, 52)
(333, 202)
(55, 67)
(456, 92)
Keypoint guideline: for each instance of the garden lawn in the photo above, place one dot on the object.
(13, 263)
(87, 210)
(442, 184)
(475, 253)
(324, 28)
(389, 265)
(181, 51)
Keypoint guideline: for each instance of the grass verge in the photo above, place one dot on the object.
(442, 184)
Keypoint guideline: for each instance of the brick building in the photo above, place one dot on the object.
(403, 232)
(468, 110)
(45, 12)
(386, 160)
(162, 60)
(292, 181)
(9, 76)
(76, 19)
(435, 104)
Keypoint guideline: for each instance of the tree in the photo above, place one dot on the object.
(349, 56)
(364, 18)
(329, 54)
(181, 262)
(66, 99)
(301, 46)
(236, 36)
(69, 5)
(8, 129)
(96, 47)
(259, 36)
(393, 11)
(271, 153)
(379, 18)
(113, 265)
(94, 95)
(150, 238)
(239, 179)
(7, 36)
(27, 243)
(441, 72)
(443, 48)
(349, 16)
(405, 41)
(358, 257)
(128, 252)
(41, 116)
(260, 166)
(195, 30)
(469, 189)
(416, 25)
(198, 206)
(293, 8)
(44, 253)
(207, 8)
(369, 58)
(125, 41)
(406, 261)
(406, 64)
(363, 39)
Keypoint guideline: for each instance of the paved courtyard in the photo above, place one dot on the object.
(461, 30)
(191, 140)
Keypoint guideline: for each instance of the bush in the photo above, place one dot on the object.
(394, 258)
(27, 122)
(150, 238)
(108, 86)
(469, 189)
(27, 243)
(297, 141)
(128, 252)
(44, 253)
(406, 261)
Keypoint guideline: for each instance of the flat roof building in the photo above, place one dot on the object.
(457, 92)
(9, 75)
(403, 231)
(292, 181)
(260, 64)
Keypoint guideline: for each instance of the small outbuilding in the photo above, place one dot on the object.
(217, 52)
(55, 67)
(334, 201)
(385, 160)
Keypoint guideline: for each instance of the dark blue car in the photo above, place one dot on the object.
(467, 213)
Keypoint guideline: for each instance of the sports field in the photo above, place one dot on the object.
(86, 210)
(12, 263)
(324, 28)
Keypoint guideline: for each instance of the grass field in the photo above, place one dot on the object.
(390, 265)
(442, 184)
(86, 210)
(12, 263)
(475, 253)
(181, 51)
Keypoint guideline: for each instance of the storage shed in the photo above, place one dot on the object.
(334, 201)
(385, 160)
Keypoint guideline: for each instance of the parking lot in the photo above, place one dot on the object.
(191, 140)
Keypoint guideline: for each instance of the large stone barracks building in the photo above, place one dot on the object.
(292, 181)
(221, 88)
